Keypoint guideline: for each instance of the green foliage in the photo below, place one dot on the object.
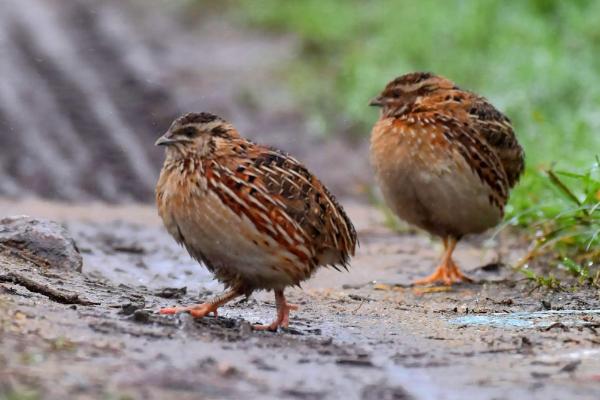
(582, 272)
(568, 227)
(22, 394)
(549, 281)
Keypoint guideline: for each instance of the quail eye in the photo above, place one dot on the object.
(187, 132)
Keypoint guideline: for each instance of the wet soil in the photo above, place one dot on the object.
(361, 334)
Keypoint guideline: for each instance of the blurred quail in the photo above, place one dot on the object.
(445, 160)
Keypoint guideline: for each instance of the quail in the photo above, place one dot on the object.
(253, 215)
(445, 160)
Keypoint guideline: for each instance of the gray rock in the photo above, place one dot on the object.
(43, 241)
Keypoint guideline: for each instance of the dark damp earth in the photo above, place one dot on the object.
(359, 334)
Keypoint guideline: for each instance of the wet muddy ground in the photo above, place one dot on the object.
(362, 334)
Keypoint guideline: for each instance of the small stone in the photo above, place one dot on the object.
(141, 316)
(326, 342)
(382, 286)
(171, 293)
(245, 328)
(226, 370)
(526, 343)
(546, 305)
(539, 375)
(570, 367)
(42, 241)
(129, 308)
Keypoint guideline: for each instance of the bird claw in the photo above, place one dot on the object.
(196, 311)
(271, 327)
(283, 314)
(447, 273)
(171, 310)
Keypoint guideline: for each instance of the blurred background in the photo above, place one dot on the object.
(88, 85)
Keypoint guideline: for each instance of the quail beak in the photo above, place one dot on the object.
(165, 140)
(376, 102)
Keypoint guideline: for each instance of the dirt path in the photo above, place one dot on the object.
(358, 335)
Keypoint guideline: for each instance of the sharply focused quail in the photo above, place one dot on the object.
(253, 215)
(445, 160)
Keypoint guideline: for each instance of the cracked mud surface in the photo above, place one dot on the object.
(362, 334)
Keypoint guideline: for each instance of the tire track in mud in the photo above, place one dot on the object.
(84, 118)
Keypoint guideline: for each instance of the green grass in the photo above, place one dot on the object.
(22, 394)
(567, 229)
(537, 61)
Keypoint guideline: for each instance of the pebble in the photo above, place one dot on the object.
(141, 316)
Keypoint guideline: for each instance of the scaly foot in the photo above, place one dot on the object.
(456, 274)
(447, 272)
(283, 314)
(442, 274)
(202, 310)
(196, 311)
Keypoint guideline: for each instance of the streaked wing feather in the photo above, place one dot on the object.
(282, 198)
(497, 130)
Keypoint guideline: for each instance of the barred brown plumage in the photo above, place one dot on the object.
(445, 159)
(255, 216)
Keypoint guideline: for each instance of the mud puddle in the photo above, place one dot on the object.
(540, 319)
